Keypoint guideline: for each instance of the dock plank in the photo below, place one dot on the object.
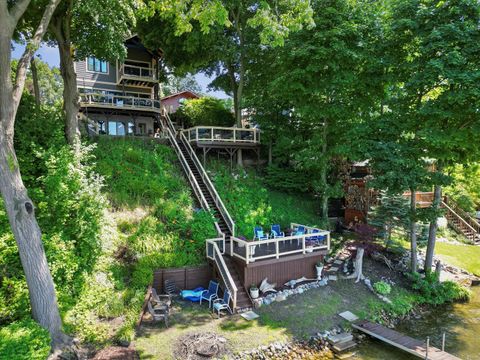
(402, 341)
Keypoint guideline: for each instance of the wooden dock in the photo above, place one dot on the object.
(403, 342)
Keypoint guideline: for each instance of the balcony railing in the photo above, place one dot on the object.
(250, 251)
(117, 101)
(222, 134)
(134, 72)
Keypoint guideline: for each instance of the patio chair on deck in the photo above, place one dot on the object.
(299, 230)
(258, 234)
(222, 304)
(276, 231)
(210, 294)
(319, 239)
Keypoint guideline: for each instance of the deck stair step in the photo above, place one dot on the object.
(344, 346)
(340, 338)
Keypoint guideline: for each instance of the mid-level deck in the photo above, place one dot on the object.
(403, 342)
(222, 137)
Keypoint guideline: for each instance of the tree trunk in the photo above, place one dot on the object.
(323, 176)
(61, 29)
(432, 230)
(270, 157)
(413, 230)
(19, 207)
(36, 87)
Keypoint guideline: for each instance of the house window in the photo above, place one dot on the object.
(116, 128)
(96, 65)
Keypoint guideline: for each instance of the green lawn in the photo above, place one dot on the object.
(464, 256)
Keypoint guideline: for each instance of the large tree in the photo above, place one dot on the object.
(436, 48)
(19, 207)
(322, 78)
(220, 38)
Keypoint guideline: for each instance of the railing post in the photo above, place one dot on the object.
(303, 244)
(234, 134)
(428, 344)
(196, 133)
(254, 135)
(443, 341)
(277, 249)
(247, 252)
(211, 134)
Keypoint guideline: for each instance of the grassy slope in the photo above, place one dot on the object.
(150, 223)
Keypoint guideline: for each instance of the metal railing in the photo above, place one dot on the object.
(222, 134)
(118, 101)
(214, 253)
(249, 251)
(136, 72)
(203, 174)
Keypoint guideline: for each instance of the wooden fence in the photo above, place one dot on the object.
(184, 278)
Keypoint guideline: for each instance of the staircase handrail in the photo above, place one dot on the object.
(444, 204)
(468, 218)
(223, 269)
(216, 198)
(187, 169)
(211, 187)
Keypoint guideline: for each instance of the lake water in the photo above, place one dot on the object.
(460, 322)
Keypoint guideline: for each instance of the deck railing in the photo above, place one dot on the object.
(136, 72)
(250, 251)
(214, 253)
(222, 134)
(118, 101)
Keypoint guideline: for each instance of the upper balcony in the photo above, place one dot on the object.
(134, 75)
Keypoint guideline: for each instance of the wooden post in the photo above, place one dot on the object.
(211, 133)
(196, 133)
(234, 135)
(277, 249)
(443, 341)
(247, 252)
(254, 135)
(303, 244)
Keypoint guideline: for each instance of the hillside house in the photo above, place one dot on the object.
(121, 98)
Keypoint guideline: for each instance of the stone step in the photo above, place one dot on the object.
(340, 338)
(344, 346)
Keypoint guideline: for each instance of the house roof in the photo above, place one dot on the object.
(180, 94)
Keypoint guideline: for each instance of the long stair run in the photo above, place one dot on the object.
(210, 201)
(461, 221)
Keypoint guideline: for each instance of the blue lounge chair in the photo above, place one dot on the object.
(319, 239)
(300, 230)
(210, 294)
(222, 304)
(258, 234)
(276, 231)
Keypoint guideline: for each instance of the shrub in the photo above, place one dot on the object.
(24, 340)
(434, 292)
(382, 288)
(206, 111)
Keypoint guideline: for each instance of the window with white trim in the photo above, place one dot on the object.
(96, 65)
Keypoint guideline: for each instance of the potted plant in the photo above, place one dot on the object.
(319, 268)
(254, 291)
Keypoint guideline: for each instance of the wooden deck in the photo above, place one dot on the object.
(403, 342)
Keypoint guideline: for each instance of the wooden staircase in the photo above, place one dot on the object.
(210, 201)
(461, 221)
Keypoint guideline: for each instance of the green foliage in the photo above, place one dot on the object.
(382, 287)
(465, 190)
(176, 84)
(251, 204)
(24, 340)
(206, 111)
(434, 292)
